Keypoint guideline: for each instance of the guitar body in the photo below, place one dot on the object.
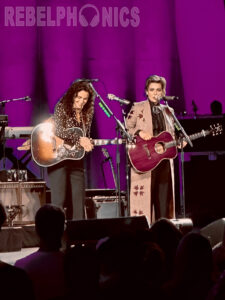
(144, 156)
(48, 150)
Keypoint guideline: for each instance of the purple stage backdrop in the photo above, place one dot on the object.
(45, 45)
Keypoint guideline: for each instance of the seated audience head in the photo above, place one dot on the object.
(194, 258)
(49, 225)
(167, 236)
(216, 107)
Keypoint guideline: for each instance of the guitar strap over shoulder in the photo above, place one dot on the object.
(169, 117)
(83, 125)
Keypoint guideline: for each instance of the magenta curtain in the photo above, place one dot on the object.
(119, 42)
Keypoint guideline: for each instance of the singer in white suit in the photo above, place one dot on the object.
(152, 193)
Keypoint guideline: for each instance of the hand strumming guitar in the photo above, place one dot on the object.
(145, 135)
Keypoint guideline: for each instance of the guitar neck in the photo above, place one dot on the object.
(192, 137)
(200, 134)
(102, 142)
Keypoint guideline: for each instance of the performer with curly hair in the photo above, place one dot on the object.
(67, 180)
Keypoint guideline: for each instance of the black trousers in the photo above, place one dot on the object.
(67, 185)
(161, 190)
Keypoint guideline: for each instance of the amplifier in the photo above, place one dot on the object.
(22, 198)
(104, 203)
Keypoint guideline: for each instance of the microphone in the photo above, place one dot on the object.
(27, 98)
(122, 101)
(169, 98)
(87, 80)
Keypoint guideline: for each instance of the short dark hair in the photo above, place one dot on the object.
(156, 79)
(49, 222)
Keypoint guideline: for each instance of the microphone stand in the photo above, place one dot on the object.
(3, 124)
(186, 137)
(103, 173)
(27, 98)
(120, 127)
(127, 169)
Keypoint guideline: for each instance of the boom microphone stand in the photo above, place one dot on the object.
(186, 137)
(127, 169)
(3, 124)
(120, 127)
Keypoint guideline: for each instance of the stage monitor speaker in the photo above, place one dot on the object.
(95, 229)
(27, 197)
(214, 231)
(184, 225)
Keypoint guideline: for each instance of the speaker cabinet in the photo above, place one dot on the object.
(25, 197)
(104, 203)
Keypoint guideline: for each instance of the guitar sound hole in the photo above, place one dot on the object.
(159, 148)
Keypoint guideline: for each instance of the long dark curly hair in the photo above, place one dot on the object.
(73, 90)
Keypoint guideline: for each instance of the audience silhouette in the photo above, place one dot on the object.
(216, 107)
(192, 269)
(165, 234)
(161, 262)
(46, 266)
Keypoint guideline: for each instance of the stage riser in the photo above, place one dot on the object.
(16, 238)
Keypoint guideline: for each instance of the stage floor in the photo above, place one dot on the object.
(13, 256)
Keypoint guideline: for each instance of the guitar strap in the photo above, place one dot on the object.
(167, 115)
(83, 125)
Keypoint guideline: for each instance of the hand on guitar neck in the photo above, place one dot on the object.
(86, 144)
(181, 143)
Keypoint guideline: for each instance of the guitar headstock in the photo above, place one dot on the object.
(216, 129)
(105, 152)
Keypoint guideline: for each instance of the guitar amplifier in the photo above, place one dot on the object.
(24, 198)
(104, 203)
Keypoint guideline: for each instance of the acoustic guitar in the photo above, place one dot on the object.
(146, 155)
(48, 150)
